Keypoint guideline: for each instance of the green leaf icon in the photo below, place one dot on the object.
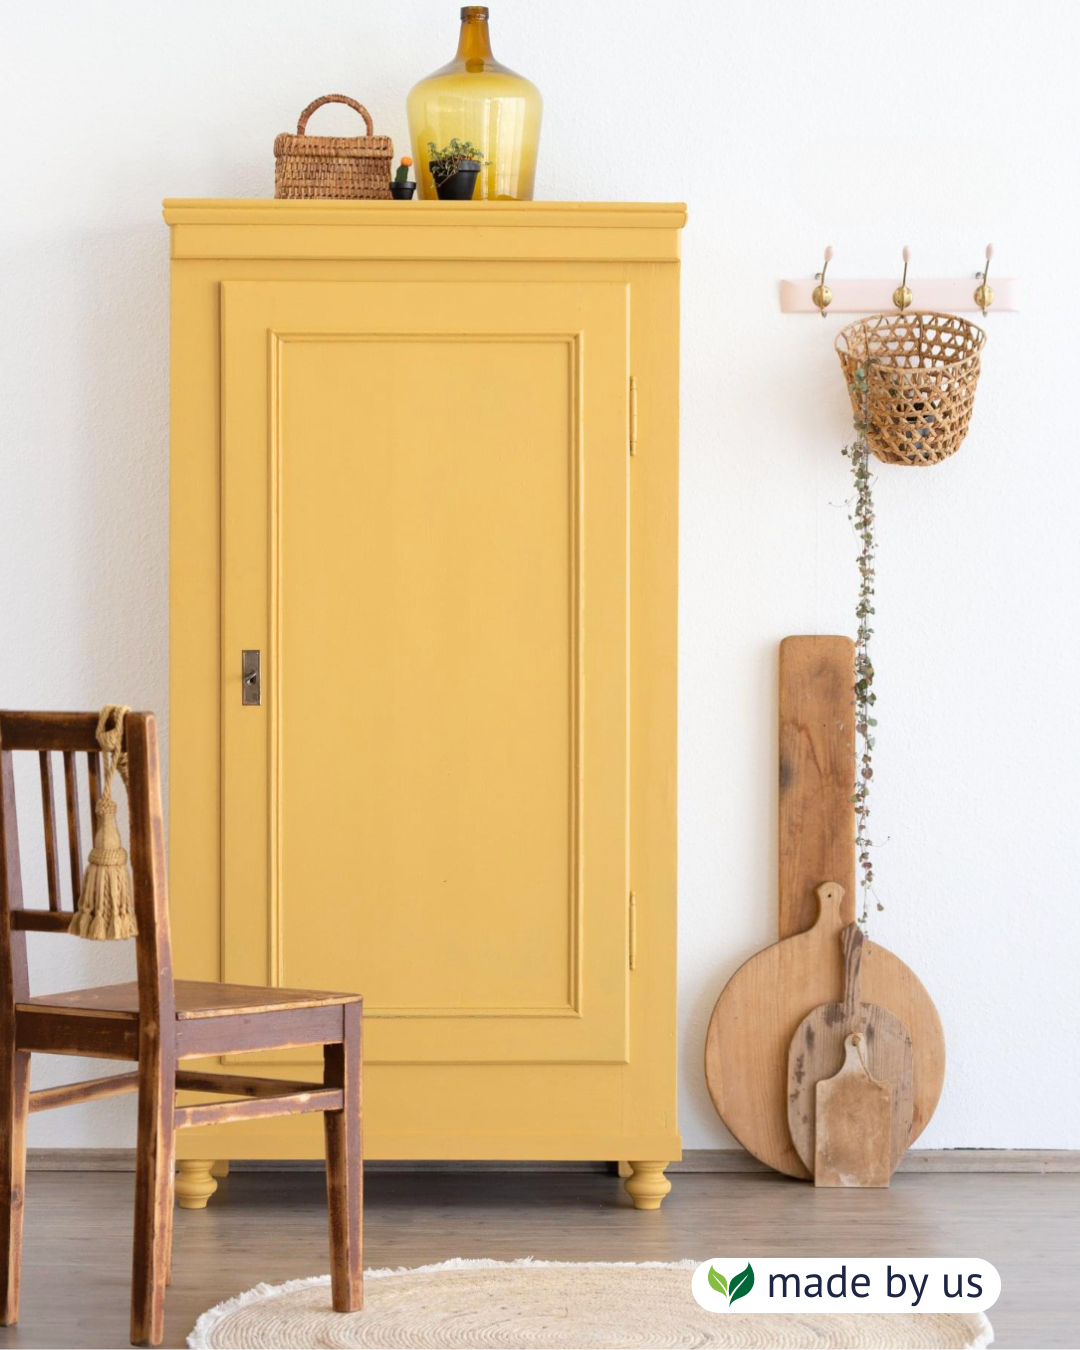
(741, 1284)
(717, 1281)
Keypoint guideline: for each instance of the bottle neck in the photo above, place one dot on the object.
(474, 41)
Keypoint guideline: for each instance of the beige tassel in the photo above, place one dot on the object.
(106, 904)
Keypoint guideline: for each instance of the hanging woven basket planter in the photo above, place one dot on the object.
(922, 370)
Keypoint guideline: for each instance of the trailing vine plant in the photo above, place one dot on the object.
(862, 519)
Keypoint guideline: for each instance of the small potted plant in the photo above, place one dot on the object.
(454, 169)
(401, 187)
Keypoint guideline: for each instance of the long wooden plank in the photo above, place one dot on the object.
(817, 777)
(259, 1108)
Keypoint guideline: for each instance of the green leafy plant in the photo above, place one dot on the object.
(862, 519)
(738, 1287)
(444, 163)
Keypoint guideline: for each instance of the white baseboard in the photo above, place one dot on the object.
(915, 1160)
(694, 1160)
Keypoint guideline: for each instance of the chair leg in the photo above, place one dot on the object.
(170, 1225)
(344, 1167)
(14, 1109)
(154, 1164)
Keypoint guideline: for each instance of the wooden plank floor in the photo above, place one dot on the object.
(272, 1226)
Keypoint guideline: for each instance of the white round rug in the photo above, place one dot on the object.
(551, 1305)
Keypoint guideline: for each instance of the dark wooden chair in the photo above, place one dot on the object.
(155, 1023)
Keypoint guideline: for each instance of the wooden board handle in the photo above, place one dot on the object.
(852, 939)
(830, 896)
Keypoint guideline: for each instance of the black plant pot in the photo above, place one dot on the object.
(402, 192)
(459, 187)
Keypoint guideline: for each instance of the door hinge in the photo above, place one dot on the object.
(633, 931)
(633, 414)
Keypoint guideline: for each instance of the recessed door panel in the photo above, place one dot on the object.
(425, 533)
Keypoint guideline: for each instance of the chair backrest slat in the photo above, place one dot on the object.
(93, 771)
(75, 853)
(72, 734)
(48, 816)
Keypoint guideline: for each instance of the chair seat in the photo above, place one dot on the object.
(194, 998)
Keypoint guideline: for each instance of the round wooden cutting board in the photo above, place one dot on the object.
(746, 1049)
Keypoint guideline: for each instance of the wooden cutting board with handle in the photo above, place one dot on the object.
(854, 1115)
(819, 1049)
(746, 1047)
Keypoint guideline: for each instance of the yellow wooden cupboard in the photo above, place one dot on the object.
(423, 685)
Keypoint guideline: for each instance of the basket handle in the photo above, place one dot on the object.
(333, 98)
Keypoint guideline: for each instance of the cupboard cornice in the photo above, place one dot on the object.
(448, 231)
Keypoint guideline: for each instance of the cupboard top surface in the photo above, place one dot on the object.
(535, 231)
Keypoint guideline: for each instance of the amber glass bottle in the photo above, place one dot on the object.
(475, 98)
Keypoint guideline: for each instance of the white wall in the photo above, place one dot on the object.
(784, 126)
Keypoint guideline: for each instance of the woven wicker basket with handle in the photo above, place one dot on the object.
(332, 166)
(922, 370)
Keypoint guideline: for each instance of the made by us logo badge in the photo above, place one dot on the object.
(845, 1284)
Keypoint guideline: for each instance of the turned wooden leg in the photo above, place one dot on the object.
(647, 1185)
(220, 1168)
(344, 1167)
(194, 1182)
(154, 1159)
(624, 1169)
(14, 1109)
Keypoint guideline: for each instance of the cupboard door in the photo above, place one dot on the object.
(425, 534)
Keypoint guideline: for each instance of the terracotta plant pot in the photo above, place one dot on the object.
(461, 184)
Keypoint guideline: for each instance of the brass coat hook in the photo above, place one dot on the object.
(901, 297)
(984, 293)
(822, 296)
